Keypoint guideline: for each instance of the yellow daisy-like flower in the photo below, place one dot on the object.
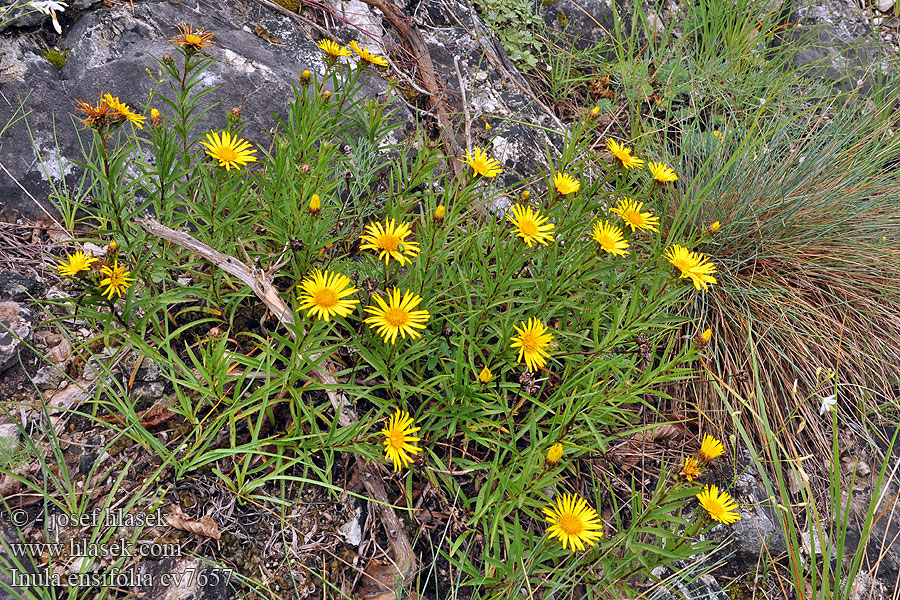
(367, 56)
(694, 265)
(565, 183)
(398, 439)
(662, 172)
(117, 280)
(630, 211)
(691, 468)
(124, 110)
(325, 294)
(229, 151)
(720, 507)
(480, 163)
(573, 522)
(485, 376)
(333, 49)
(610, 238)
(623, 153)
(554, 454)
(530, 225)
(397, 316)
(76, 263)
(532, 343)
(390, 241)
(710, 448)
(192, 40)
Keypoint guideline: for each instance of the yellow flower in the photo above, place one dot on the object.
(229, 151)
(367, 56)
(124, 110)
(485, 376)
(720, 507)
(661, 172)
(565, 183)
(397, 316)
(691, 469)
(595, 112)
(439, 213)
(703, 338)
(710, 448)
(333, 49)
(554, 454)
(694, 265)
(480, 163)
(610, 238)
(525, 196)
(714, 227)
(191, 40)
(156, 119)
(530, 225)
(390, 240)
(117, 280)
(630, 211)
(623, 153)
(573, 522)
(77, 263)
(315, 204)
(532, 343)
(398, 439)
(305, 77)
(325, 294)
(718, 135)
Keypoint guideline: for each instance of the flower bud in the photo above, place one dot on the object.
(525, 195)
(315, 204)
(554, 454)
(167, 59)
(595, 112)
(326, 96)
(439, 212)
(703, 338)
(156, 120)
(305, 169)
(714, 227)
(305, 77)
(485, 376)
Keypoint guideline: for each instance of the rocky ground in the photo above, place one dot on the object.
(260, 49)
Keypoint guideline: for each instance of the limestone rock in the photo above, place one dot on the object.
(15, 330)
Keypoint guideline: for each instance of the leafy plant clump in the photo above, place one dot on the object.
(387, 318)
(515, 22)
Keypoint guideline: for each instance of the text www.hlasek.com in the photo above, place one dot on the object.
(93, 549)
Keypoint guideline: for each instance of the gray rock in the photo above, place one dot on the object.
(15, 329)
(582, 23)
(17, 287)
(48, 377)
(494, 93)
(112, 50)
(10, 436)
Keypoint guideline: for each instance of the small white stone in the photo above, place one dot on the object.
(884, 5)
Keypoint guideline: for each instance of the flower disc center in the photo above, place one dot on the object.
(571, 524)
(397, 317)
(326, 298)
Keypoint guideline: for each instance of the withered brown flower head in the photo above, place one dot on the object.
(192, 40)
(94, 115)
